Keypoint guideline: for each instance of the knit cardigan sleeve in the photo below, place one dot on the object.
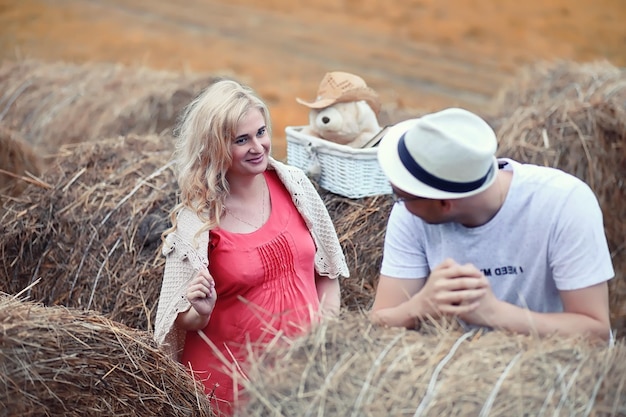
(185, 254)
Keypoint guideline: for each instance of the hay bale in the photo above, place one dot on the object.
(58, 361)
(392, 113)
(360, 225)
(18, 164)
(58, 103)
(573, 117)
(349, 368)
(93, 236)
(559, 81)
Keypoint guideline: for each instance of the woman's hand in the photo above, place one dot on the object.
(201, 293)
(202, 297)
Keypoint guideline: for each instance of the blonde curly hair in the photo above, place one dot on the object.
(202, 153)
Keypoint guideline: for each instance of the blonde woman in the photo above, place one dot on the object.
(252, 252)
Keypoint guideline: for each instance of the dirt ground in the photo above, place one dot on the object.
(418, 54)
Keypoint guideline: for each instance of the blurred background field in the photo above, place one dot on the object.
(418, 54)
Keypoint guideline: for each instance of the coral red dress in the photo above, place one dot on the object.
(265, 284)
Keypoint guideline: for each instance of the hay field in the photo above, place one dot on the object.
(84, 235)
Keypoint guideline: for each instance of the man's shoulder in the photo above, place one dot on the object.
(548, 192)
(545, 178)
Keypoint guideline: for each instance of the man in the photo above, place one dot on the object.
(495, 243)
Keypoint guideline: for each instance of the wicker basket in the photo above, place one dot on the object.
(350, 172)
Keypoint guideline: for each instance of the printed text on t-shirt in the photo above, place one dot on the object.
(503, 270)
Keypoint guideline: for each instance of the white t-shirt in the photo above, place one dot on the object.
(548, 236)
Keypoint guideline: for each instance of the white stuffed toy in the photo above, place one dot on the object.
(352, 123)
(344, 112)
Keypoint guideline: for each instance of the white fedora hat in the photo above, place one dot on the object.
(444, 155)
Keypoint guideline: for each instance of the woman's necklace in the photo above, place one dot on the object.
(262, 213)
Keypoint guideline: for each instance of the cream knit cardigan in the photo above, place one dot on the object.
(186, 255)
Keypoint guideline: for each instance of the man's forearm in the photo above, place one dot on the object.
(510, 317)
(408, 314)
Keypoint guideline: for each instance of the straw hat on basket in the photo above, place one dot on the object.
(341, 87)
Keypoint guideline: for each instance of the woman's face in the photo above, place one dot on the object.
(250, 148)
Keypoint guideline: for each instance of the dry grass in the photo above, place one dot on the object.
(57, 103)
(57, 361)
(360, 225)
(19, 163)
(92, 236)
(349, 368)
